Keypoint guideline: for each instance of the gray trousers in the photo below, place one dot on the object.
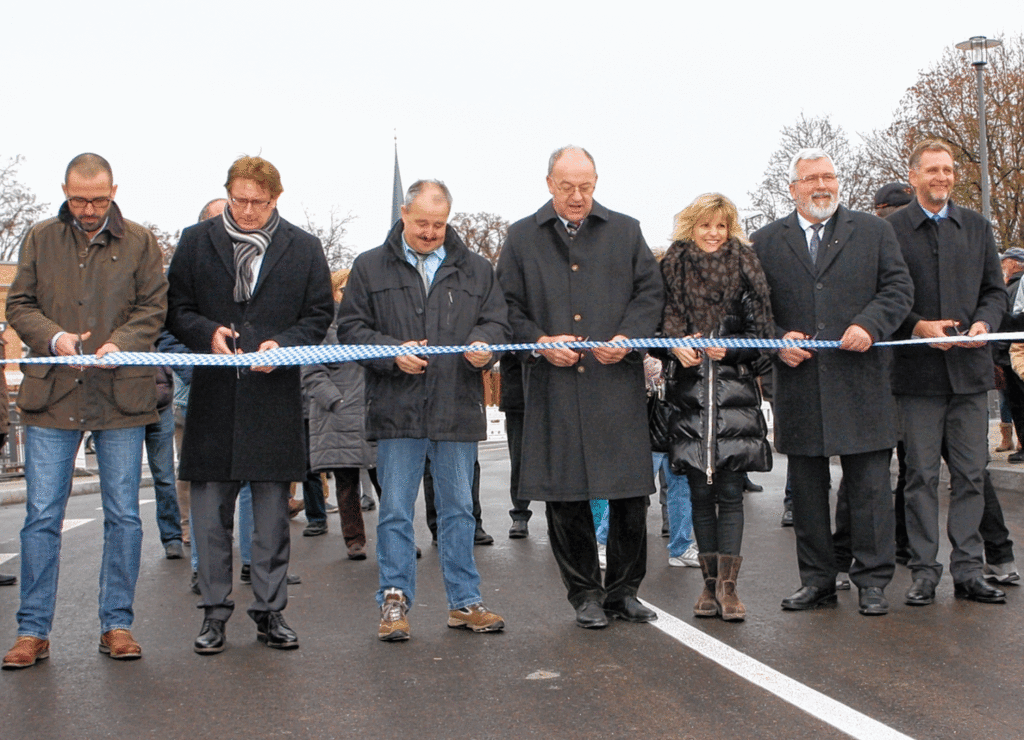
(213, 514)
(963, 421)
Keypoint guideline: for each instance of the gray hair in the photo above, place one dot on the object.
(89, 165)
(417, 187)
(205, 213)
(810, 154)
(557, 154)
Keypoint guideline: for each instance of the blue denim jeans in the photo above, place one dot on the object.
(244, 528)
(160, 453)
(680, 511)
(49, 465)
(400, 469)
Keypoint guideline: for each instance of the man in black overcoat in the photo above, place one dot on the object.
(575, 270)
(247, 281)
(835, 274)
(941, 389)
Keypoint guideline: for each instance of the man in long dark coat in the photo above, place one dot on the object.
(248, 281)
(835, 274)
(576, 270)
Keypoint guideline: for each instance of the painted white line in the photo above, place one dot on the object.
(5, 556)
(72, 523)
(816, 704)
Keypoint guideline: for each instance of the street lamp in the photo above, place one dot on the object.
(979, 46)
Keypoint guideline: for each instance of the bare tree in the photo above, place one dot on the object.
(771, 200)
(332, 237)
(942, 104)
(484, 233)
(167, 241)
(18, 209)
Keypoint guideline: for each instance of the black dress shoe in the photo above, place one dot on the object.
(7, 580)
(211, 637)
(977, 589)
(629, 609)
(293, 580)
(274, 632)
(750, 487)
(480, 537)
(519, 530)
(787, 518)
(809, 597)
(872, 602)
(590, 615)
(921, 593)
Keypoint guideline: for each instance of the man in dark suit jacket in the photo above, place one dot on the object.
(942, 389)
(835, 274)
(247, 281)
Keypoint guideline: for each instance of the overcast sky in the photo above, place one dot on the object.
(672, 99)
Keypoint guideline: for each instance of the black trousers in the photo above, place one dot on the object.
(872, 527)
(514, 433)
(571, 531)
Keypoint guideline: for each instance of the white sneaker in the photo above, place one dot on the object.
(1002, 573)
(688, 559)
(602, 555)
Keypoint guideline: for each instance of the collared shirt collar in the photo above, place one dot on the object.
(806, 225)
(432, 262)
(944, 213)
(113, 224)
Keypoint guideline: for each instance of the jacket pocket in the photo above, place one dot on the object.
(134, 390)
(36, 386)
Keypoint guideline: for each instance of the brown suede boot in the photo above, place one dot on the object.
(1006, 430)
(706, 605)
(725, 591)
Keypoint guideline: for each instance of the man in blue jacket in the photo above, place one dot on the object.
(423, 286)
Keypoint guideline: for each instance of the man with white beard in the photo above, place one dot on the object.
(835, 274)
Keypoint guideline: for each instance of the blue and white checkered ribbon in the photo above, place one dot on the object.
(322, 354)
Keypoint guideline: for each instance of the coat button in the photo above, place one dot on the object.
(580, 369)
(575, 268)
(577, 317)
(819, 286)
(821, 325)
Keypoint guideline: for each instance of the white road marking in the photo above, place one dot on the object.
(72, 523)
(5, 556)
(816, 704)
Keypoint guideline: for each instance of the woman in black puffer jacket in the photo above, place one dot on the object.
(715, 287)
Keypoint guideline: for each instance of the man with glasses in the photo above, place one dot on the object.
(835, 274)
(89, 282)
(570, 271)
(246, 281)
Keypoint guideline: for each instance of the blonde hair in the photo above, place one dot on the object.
(339, 278)
(702, 207)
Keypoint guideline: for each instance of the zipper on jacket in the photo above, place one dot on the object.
(709, 435)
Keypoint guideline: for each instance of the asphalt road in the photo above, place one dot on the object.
(951, 670)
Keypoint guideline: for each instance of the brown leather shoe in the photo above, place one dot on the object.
(26, 651)
(357, 551)
(120, 645)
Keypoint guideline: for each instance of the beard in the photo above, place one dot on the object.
(822, 212)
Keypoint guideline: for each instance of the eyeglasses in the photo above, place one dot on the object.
(244, 203)
(568, 189)
(827, 179)
(97, 203)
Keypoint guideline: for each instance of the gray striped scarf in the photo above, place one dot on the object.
(248, 246)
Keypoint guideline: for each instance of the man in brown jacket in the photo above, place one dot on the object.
(89, 282)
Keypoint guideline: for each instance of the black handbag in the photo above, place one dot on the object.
(660, 412)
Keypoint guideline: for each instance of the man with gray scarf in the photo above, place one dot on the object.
(248, 281)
